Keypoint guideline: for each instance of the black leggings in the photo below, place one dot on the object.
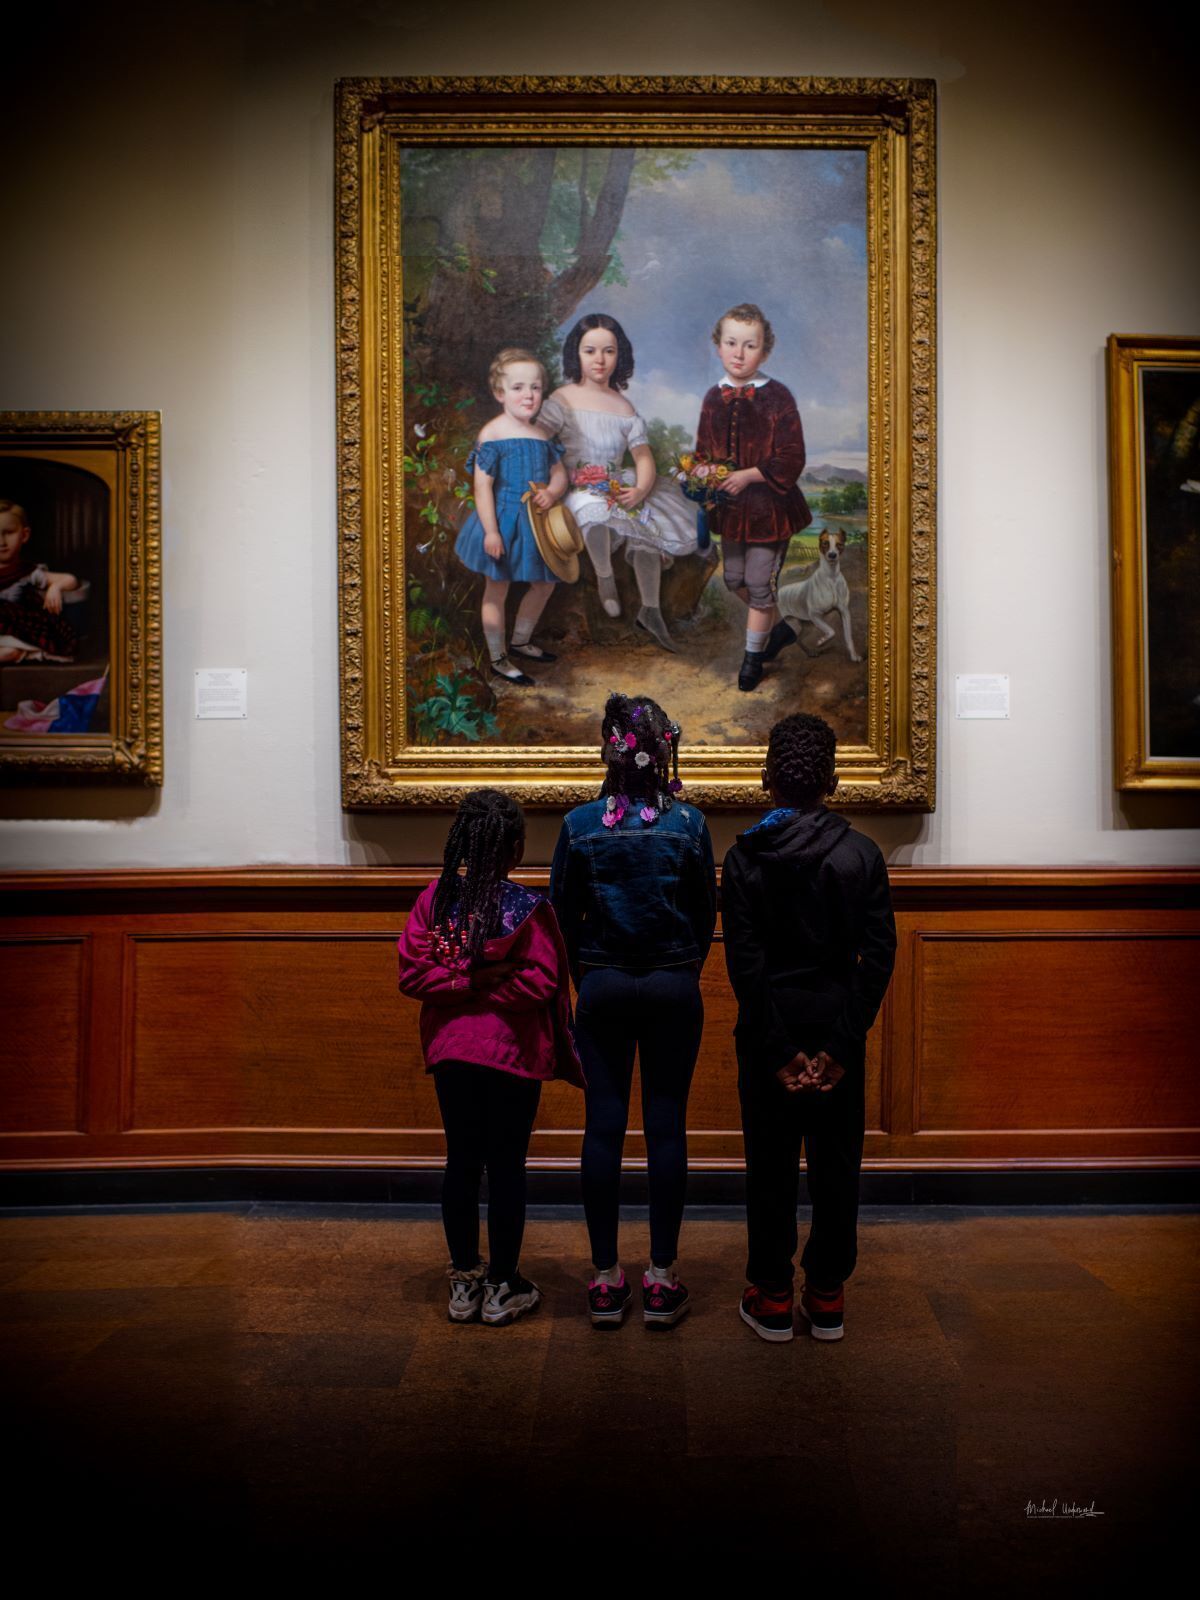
(488, 1117)
(660, 1015)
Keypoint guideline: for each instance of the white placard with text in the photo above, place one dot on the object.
(220, 692)
(981, 694)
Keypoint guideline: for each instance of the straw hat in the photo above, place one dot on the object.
(557, 535)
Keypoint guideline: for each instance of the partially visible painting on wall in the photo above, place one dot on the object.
(80, 621)
(622, 293)
(1154, 465)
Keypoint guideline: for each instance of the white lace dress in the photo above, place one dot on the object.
(665, 521)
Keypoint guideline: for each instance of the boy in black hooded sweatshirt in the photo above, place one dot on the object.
(810, 942)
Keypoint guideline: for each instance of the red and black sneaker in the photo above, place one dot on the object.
(608, 1302)
(770, 1315)
(822, 1309)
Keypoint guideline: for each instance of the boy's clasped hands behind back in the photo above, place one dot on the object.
(804, 1075)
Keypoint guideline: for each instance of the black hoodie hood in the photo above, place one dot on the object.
(800, 838)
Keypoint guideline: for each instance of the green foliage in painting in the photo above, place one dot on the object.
(668, 441)
(452, 710)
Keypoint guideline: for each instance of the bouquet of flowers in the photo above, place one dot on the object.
(700, 478)
(604, 482)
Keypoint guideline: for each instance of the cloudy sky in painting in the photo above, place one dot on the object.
(783, 228)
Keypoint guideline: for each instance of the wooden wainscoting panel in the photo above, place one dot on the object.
(274, 1031)
(1037, 1018)
(44, 1003)
(1086, 1031)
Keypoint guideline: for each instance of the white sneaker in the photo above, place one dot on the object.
(505, 1302)
(466, 1292)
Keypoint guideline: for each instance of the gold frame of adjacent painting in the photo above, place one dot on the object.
(122, 448)
(893, 121)
(1135, 767)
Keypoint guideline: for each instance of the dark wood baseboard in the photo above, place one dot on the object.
(371, 1191)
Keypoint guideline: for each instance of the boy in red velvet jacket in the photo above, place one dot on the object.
(752, 421)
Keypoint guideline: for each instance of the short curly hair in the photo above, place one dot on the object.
(512, 356)
(801, 754)
(573, 367)
(746, 313)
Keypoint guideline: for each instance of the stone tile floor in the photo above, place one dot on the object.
(281, 1382)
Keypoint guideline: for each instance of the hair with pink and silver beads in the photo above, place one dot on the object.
(641, 752)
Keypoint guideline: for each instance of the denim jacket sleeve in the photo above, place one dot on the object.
(565, 895)
(701, 891)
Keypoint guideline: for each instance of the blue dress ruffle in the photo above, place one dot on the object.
(512, 465)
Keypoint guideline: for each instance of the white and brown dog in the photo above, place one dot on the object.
(824, 590)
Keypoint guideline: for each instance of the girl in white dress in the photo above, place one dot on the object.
(596, 426)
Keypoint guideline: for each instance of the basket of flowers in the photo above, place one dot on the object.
(701, 478)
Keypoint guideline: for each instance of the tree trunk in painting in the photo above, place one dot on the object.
(490, 287)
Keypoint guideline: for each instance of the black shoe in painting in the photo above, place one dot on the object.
(751, 672)
(780, 636)
(505, 669)
(532, 652)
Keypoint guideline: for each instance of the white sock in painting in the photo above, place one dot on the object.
(756, 639)
(599, 546)
(495, 642)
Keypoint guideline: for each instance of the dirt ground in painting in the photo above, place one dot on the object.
(698, 686)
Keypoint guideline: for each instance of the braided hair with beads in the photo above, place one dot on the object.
(641, 756)
(801, 751)
(466, 908)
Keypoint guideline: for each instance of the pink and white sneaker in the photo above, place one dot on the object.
(608, 1302)
(663, 1303)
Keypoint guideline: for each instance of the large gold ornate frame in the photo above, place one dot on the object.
(1128, 356)
(893, 121)
(121, 448)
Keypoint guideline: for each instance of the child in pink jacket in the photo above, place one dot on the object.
(486, 959)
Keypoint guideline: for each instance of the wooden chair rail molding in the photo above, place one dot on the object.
(249, 1017)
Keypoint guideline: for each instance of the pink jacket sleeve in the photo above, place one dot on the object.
(536, 981)
(420, 975)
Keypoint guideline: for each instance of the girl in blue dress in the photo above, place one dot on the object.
(512, 453)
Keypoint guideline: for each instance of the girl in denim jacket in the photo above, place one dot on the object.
(634, 886)
(486, 959)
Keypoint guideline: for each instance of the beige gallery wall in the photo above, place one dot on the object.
(168, 245)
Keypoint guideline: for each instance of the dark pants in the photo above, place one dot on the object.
(488, 1117)
(830, 1126)
(659, 1015)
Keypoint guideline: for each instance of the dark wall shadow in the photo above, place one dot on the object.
(1158, 810)
(40, 803)
(415, 838)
